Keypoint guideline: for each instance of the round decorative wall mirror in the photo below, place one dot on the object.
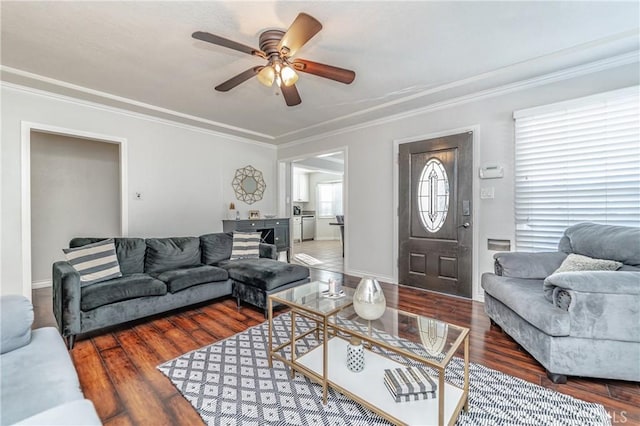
(248, 185)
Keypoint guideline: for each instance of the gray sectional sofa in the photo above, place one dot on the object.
(579, 323)
(38, 381)
(161, 274)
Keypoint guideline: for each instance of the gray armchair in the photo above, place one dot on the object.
(583, 323)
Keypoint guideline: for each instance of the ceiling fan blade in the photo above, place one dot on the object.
(301, 31)
(322, 70)
(238, 79)
(230, 44)
(290, 95)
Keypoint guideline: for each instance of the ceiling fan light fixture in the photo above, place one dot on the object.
(288, 75)
(267, 75)
(278, 48)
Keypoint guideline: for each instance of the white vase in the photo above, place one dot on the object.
(368, 300)
(231, 214)
(355, 355)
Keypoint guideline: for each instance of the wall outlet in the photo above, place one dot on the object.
(138, 196)
(487, 193)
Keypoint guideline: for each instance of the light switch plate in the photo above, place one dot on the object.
(487, 193)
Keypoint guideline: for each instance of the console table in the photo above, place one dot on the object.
(274, 231)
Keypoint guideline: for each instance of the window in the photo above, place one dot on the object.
(329, 199)
(576, 161)
(433, 195)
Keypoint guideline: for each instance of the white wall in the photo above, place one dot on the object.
(324, 231)
(184, 174)
(370, 186)
(75, 191)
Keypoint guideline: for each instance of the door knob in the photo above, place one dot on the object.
(465, 225)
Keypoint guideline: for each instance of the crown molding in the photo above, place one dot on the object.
(105, 95)
(128, 113)
(572, 72)
(626, 35)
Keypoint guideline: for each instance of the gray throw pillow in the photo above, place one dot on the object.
(95, 262)
(577, 262)
(246, 245)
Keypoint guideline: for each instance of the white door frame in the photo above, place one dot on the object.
(285, 177)
(475, 129)
(25, 166)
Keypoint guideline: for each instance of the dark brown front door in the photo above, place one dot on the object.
(435, 222)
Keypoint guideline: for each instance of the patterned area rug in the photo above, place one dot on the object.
(230, 383)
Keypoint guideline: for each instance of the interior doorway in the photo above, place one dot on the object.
(317, 211)
(63, 182)
(75, 191)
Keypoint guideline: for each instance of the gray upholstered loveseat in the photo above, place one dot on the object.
(38, 381)
(584, 323)
(161, 274)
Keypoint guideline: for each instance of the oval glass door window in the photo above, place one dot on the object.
(433, 195)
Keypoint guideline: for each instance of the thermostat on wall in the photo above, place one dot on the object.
(491, 171)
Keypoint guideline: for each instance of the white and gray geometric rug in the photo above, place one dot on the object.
(230, 383)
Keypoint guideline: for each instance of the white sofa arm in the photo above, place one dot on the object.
(16, 318)
(78, 412)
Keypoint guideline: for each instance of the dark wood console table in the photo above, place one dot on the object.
(274, 231)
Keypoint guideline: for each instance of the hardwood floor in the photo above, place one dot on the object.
(117, 367)
(329, 252)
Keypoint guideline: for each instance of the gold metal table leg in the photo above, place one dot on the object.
(293, 343)
(466, 372)
(325, 352)
(441, 397)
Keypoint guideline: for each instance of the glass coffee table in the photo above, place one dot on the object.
(309, 301)
(395, 340)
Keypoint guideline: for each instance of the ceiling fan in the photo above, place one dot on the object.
(278, 48)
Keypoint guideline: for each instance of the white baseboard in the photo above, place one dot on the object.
(327, 239)
(382, 278)
(41, 284)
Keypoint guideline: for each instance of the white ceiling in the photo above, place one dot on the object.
(140, 55)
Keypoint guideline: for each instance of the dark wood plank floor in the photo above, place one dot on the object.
(117, 367)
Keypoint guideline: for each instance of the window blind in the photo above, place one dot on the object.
(577, 161)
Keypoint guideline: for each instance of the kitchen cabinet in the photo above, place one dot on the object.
(301, 187)
(297, 228)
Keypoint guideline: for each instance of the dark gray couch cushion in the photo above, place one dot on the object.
(265, 274)
(524, 296)
(188, 276)
(216, 247)
(130, 252)
(123, 288)
(164, 254)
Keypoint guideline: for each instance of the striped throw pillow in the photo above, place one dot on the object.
(95, 262)
(246, 245)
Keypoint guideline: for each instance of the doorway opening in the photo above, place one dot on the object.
(73, 184)
(317, 211)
